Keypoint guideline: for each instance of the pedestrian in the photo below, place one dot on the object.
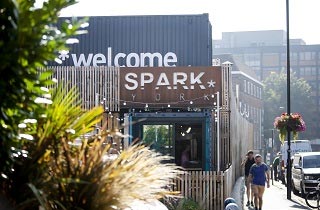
(185, 157)
(259, 175)
(275, 166)
(247, 163)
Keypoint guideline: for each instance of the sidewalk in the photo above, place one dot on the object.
(275, 198)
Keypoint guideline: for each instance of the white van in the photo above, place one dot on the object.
(296, 146)
(305, 172)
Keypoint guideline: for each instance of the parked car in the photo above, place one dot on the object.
(305, 172)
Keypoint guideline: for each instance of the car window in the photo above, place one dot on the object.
(311, 161)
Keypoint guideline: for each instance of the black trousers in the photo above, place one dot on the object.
(275, 173)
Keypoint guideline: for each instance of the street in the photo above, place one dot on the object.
(275, 197)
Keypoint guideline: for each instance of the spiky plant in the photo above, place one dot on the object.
(45, 139)
(40, 167)
(79, 176)
(92, 183)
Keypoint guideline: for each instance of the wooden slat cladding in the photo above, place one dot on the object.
(208, 188)
(225, 140)
(96, 85)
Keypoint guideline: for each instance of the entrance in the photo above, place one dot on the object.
(183, 136)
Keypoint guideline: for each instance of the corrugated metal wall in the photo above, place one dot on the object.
(188, 36)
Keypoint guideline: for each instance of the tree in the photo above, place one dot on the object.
(275, 102)
(40, 165)
(28, 40)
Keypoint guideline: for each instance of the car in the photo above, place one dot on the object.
(305, 172)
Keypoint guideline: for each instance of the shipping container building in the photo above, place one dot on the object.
(131, 39)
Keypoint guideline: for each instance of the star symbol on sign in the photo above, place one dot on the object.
(211, 84)
(64, 54)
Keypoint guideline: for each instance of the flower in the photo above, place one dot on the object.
(293, 123)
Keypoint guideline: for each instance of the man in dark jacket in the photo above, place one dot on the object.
(247, 163)
(275, 165)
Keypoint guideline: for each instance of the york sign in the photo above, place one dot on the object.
(177, 86)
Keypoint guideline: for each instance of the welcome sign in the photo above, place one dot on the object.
(174, 86)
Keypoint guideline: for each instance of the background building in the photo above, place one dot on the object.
(247, 90)
(265, 52)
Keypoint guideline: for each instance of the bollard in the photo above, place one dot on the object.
(271, 171)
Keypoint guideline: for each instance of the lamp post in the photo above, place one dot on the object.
(218, 131)
(288, 105)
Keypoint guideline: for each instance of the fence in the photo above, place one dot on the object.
(208, 188)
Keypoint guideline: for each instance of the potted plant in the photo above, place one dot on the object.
(289, 122)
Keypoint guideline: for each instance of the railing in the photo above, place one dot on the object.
(208, 188)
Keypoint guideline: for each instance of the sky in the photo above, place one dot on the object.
(225, 15)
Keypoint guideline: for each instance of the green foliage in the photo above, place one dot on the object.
(275, 101)
(28, 40)
(41, 164)
(45, 140)
(157, 136)
(175, 203)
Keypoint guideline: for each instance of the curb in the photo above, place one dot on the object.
(238, 192)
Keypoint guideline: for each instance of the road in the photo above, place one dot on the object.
(275, 198)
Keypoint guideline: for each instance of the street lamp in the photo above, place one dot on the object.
(288, 105)
(217, 120)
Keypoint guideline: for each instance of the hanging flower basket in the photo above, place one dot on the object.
(293, 123)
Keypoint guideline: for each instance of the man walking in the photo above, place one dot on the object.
(259, 175)
(247, 163)
(275, 165)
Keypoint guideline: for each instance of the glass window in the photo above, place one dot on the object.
(158, 136)
(259, 93)
(311, 161)
(251, 84)
(308, 71)
(307, 56)
(245, 86)
(185, 144)
(270, 59)
(252, 59)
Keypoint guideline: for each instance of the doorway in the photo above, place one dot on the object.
(186, 139)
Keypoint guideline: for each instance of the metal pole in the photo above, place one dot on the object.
(271, 155)
(218, 131)
(288, 105)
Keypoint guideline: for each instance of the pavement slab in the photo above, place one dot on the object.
(275, 198)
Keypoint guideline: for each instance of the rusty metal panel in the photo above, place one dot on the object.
(177, 87)
(143, 41)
